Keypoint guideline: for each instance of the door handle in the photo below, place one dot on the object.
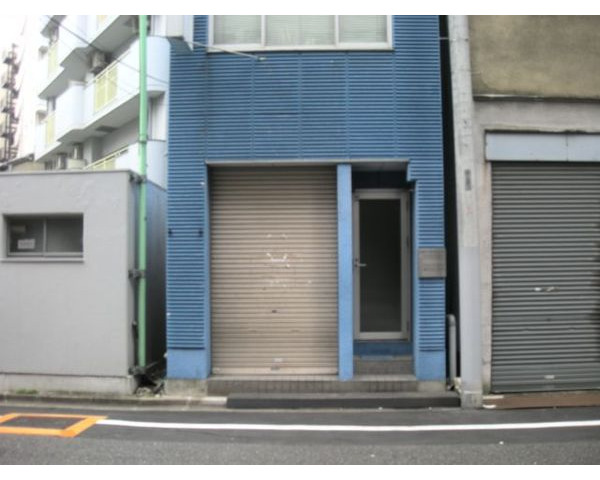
(357, 264)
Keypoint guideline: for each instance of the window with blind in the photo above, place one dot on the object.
(301, 32)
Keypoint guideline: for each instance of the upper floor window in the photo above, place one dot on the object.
(301, 32)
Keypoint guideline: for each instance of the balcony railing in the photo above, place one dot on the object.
(100, 19)
(50, 129)
(105, 87)
(127, 158)
(52, 59)
(109, 162)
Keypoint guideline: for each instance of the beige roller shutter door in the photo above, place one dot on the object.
(274, 270)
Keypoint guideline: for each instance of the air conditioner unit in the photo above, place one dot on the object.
(67, 163)
(99, 61)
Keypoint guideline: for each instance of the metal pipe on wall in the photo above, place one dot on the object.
(142, 206)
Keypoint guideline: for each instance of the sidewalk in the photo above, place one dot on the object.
(265, 401)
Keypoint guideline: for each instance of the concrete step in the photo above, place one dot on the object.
(311, 384)
(400, 365)
(343, 400)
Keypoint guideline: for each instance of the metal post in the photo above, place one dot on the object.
(452, 348)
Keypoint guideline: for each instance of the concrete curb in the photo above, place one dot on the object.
(115, 401)
(397, 400)
(586, 398)
(343, 401)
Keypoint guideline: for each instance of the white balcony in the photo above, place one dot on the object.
(109, 101)
(48, 23)
(66, 58)
(108, 32)
(128, 159)
(45, 137)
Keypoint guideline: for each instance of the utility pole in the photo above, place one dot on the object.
(467, 211)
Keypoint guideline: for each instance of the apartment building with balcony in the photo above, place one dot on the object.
(91, 88)
(77, 232)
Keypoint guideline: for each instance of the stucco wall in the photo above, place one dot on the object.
(538, 55)
(69, 317)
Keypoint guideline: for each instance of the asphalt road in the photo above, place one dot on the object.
(232, 437)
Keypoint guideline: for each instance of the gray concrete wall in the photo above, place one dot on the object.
(69, 316)
(537, 55)
(525, 116)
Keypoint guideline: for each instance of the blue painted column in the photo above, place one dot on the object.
(188, 291)
(188, 363)
(345, 272)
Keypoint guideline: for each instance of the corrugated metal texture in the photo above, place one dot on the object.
(330, 104)
(546, 276)
(432, 338)
(186, 246)
(274, 270)
(303, 105)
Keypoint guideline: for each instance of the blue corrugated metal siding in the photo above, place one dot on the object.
(302, 105)
(186, 208)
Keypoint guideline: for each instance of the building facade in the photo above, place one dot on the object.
(529, 214)
(73, 239)
(91, 88)
(306, 202)
(68, 300)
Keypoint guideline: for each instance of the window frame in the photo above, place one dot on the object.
(261, 47)
(44, 254)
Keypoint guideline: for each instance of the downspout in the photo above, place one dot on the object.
(142, 207)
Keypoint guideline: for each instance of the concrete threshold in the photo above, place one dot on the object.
(586, 398)
(391, 400)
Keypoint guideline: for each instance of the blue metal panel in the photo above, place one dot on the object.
(187, 363)
(382, 348)
(186, 247)
(345, 272)
(303, 105)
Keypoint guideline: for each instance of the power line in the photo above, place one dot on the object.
(89, 44)
(248, 55)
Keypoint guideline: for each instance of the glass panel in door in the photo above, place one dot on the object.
(380, 266)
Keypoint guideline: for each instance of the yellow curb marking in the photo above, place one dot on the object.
(85, 422)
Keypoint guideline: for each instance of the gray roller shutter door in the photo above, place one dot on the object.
(546, 276)
(274, 270)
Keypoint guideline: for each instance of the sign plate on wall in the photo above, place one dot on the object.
(432, 263)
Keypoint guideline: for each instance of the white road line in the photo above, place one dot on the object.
(351, 428)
